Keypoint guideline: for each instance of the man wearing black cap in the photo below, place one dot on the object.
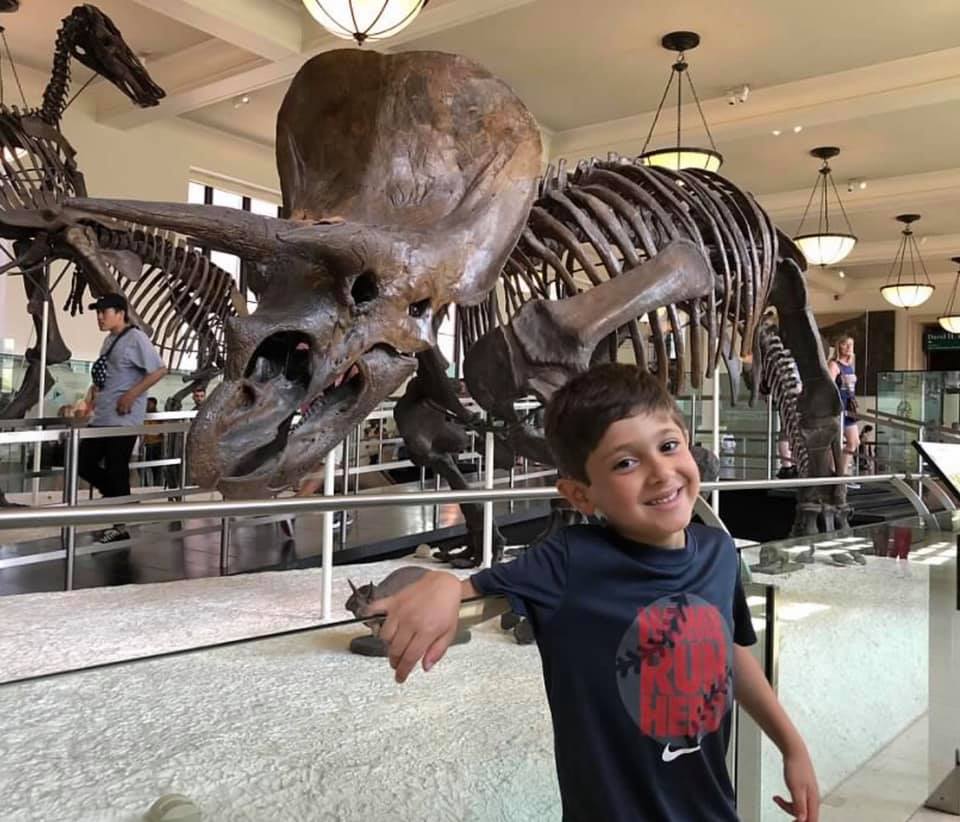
(126, 369)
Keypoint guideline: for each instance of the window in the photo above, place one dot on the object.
(209, 195)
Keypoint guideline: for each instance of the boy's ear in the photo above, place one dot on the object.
(577, 494)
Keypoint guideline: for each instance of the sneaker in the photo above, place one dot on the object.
(113, 535)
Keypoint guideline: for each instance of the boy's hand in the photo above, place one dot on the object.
(802, 783)
(421, 621)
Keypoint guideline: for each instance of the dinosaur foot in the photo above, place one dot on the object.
(523, 633)
(374, 646)
(510, 620)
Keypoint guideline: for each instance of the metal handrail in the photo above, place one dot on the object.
(39, 517)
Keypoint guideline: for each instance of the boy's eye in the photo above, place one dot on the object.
(670, 446)
(625, 464)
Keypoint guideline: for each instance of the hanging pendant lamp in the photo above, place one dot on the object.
(680, 156)
(363, 20)
(950, 321)
(825, 246)
(907, 291)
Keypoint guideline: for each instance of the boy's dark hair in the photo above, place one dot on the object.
(580, 413)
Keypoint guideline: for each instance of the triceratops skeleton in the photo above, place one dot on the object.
(409, 183)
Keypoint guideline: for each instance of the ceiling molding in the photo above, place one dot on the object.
(895, 85)
(936, 250)
(189, 86)
(880, 195)
(262, 27)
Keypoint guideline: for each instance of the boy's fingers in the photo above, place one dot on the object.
(388, 629)
(413, 654)
(800, 805)
(436, 651)
(398, 645)
(786, 807)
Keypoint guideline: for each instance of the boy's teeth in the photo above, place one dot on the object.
(667, 498)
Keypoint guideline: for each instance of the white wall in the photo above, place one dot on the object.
(152, 162)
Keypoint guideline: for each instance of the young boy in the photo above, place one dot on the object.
(641, 622)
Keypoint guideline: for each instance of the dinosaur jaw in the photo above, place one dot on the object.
(265, 432)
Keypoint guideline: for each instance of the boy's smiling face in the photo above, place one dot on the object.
(643, 479)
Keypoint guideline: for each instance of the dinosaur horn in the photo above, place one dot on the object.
(225, 229)
(352, 586)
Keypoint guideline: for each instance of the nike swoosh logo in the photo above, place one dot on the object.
(670, 754)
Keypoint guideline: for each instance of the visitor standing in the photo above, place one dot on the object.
(843, 371)
(127, 367)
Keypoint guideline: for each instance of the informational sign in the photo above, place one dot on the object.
(940, 340)
(944, 458)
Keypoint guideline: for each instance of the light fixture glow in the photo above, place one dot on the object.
(907, 295)
(912, 290)
(842, 274)
(679, 156)
(776, 132)
(797, 129)
(823, 246)
(364, 20)
(825, 249)
(950, 321)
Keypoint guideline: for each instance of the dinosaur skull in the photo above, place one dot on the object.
(407, 179)
(101, 48)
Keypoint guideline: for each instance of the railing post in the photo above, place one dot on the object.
(38, 448)
(183, 464)
(715, 418)
(436, 505)
(356, 460)
(326, 543)
(512, 483)
(224, 545)
(770, 440)
(345, 473)
(488, 506)
(72, 453)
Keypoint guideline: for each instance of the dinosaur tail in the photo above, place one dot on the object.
(780, 379)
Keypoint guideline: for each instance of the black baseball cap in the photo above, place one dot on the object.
(115, 301)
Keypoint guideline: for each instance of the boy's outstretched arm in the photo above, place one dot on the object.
(422, 619)
(756, 696)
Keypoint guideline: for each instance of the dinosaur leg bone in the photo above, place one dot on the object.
(550, 340)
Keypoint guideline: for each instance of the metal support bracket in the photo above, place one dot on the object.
(946, 796)
(918, 504)
(707, 514)
(942, 496)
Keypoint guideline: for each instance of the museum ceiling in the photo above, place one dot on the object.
(878, 79)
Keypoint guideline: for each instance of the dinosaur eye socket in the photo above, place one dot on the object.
(364, 288)
(420, 308)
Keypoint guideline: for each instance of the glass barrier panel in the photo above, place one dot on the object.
(866, 660)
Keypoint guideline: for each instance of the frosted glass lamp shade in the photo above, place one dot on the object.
(950, 323)
(825, 249)
(363, 20)
(907, 295)
(677, 159)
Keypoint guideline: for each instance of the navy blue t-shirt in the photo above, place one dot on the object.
(637, 650)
